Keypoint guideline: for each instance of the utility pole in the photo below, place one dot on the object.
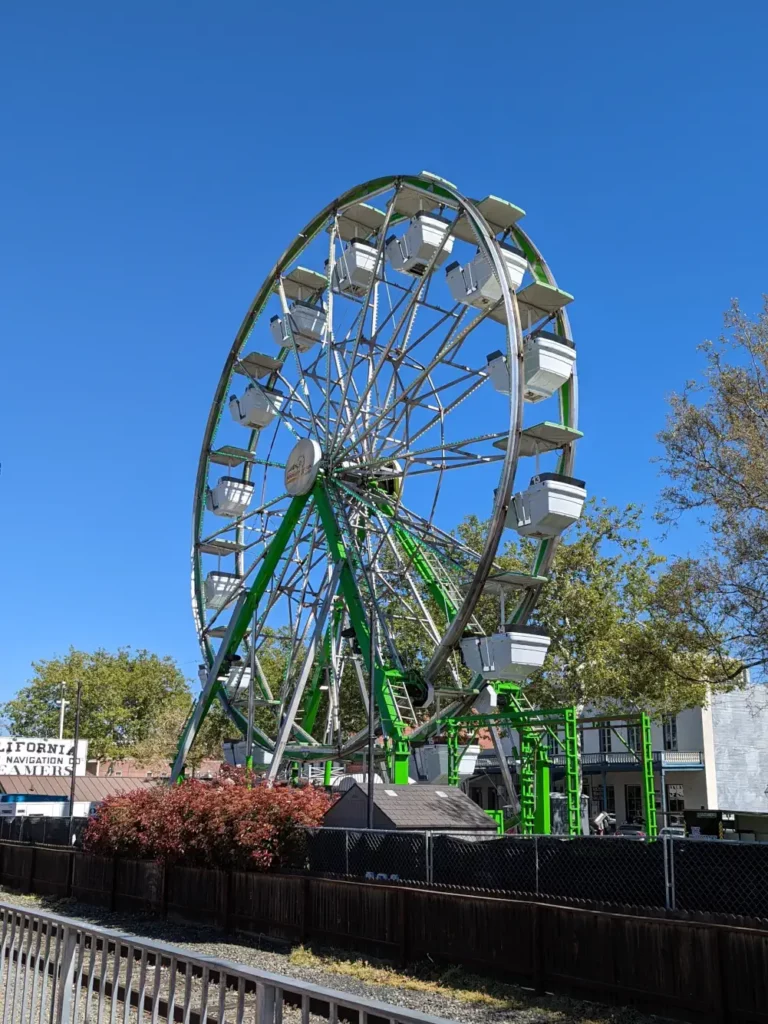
(371, 707)
(62, 705)
(251, 709)
(74, 761)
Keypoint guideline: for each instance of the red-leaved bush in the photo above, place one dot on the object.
(221, 824)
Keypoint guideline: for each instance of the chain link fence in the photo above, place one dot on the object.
(694, 875)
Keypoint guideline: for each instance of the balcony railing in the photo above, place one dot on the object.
(614, 758)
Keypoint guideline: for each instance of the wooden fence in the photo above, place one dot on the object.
(701, 972)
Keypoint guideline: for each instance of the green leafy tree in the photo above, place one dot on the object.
(716, 457)
(124, 696)
(162, 738)
(621, 635)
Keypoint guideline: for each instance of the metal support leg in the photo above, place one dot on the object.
(452, 743)
(649, 790)
(572, 787)
(527, 777)
(542, 820)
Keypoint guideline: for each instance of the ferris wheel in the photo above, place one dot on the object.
(405, 361)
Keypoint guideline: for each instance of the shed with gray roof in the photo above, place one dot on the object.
(410, 808)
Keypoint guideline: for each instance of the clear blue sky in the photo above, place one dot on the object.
(156, 157)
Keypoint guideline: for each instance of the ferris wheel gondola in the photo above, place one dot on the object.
(375, 390)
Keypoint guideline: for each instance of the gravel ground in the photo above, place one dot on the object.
(512, 1005)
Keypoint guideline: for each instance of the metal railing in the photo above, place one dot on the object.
(59, 970)
(661, 758)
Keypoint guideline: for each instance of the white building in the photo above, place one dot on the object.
(704, 758)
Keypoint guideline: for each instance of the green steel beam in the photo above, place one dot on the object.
(391, 722)
(572, 774)
(415, 552)
(414, 549)
(526, 786)
(454, 758)
(543, 813)
(649, 788)
(238, 628)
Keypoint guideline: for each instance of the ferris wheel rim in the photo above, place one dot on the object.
(359, 193)
(430, 186)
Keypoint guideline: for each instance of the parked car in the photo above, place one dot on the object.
(630, 830)
(673, 831)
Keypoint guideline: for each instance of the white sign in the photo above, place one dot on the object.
(302, 466)
(27, 756)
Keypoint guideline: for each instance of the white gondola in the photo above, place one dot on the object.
(497, 369)
(548, 364)
(413, 251)
(476, 284)
(354, 269)
(510, 656)
(256, 407)
(551, 504)
(221, 589)
(230, 497)
(303, 327)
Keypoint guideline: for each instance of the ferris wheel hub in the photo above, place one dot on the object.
(302, 466)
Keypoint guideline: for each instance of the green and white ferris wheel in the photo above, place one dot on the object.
(407, 359)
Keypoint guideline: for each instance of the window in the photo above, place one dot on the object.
(633, 803)
(477, 796)
(675, 803)
(492, 800)
(551, 745)
(669, 730)
(610, 798)
(635, 738)
(605, 737)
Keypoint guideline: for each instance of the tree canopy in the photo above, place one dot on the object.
(716, 457)
(620, 636)
(133, 702)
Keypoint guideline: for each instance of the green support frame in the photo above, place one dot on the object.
(531, 724)
(392, 724)
(649, 788)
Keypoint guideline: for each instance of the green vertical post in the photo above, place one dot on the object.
(649, 789)
(527, 779)
(542, 819)
(327, 773)
(572, 787)
(393, 726)
(452, 743)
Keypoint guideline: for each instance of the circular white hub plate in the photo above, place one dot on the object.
(302, 466)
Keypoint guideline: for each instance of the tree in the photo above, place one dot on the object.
(716, 457)
(124, 697)
(162, 738)
(619, 640)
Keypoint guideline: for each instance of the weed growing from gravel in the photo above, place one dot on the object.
(451, 982)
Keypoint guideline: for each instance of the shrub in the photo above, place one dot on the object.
(222, 824)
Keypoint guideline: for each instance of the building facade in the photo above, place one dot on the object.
(714, 757)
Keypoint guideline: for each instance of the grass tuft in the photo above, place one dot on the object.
(450, 982)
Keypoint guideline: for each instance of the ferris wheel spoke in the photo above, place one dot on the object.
(366, 302)
(297, 357)
(408, 317)
(449, 347)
